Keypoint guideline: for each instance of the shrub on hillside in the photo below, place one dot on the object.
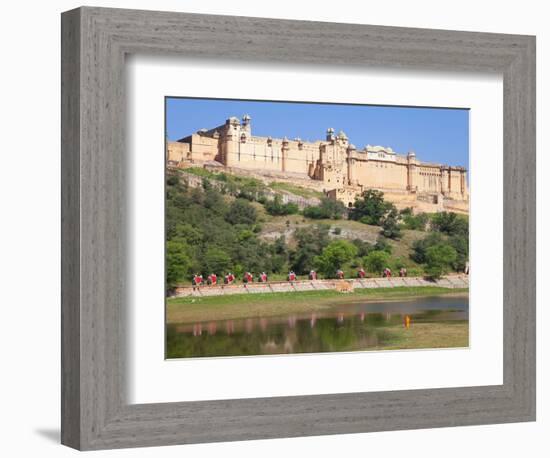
(172, 181)
(439, 260)
(450, 223)
(334, 256)
(390, 225)
(420, 246)
(216, 260)
(370, 208)
(383, 245)
(413, 222)
(363, 248)
(376, 261)
(241, 212)
(276, 207)
(177, 262)
(310, 242)
(328, 209)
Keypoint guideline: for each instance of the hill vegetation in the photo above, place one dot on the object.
(233, 227)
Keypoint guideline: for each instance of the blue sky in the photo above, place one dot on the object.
(435, 134)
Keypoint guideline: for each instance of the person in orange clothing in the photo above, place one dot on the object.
(407, 321)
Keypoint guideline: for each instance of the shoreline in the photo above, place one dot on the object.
(182, 310)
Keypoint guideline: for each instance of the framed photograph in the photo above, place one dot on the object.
(278, 245)
(277, 228)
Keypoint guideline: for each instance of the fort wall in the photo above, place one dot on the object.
(177, 152)
(344, 171)
(380, 174)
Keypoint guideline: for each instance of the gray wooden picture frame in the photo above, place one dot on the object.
(95, 412)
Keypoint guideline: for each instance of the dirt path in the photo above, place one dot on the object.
(450, 281)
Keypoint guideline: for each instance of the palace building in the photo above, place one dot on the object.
(333, 165)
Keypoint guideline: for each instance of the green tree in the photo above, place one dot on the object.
(461, 244)
(334, 256)
(245, 234)
(383, 245)
(439, 260)
(363, 248)
(276, 207)
(413, 222)
(370, 208)
(185, 231)
(172, 180)
(398, 263)
(214, 201)
(252, 255)
(291, 208)
(249, 188)
(420, 246)
(313, 212)
(328, 209)
(241, 212)
(280, 246)
(334, 209)
(206, 184)
(197, 196)
(450, 223)
(376, 261)
(216, 260)
(310, 242)
(278, 253)
(177, 262)
(390, 225)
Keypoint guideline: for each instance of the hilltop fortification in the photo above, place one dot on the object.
(333, 165)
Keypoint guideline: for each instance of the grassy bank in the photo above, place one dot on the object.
(193, 309)
(445, 334)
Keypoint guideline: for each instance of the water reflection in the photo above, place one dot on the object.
(349, 327)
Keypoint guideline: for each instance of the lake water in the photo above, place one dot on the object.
(344, 327)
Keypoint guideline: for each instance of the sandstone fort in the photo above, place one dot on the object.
(332, 165)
